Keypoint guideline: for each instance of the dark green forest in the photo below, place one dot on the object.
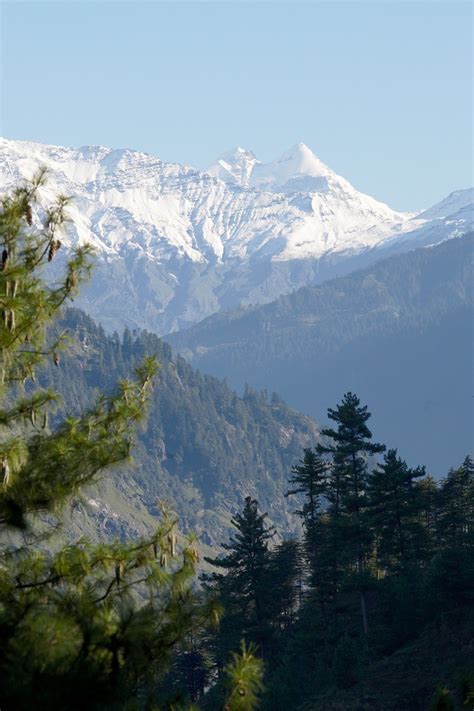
(373, 607)
(398, 333)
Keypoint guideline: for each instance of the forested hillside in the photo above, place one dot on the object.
(372, 608)
(398, 333)
(203, 447)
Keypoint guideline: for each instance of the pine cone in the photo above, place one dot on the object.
(53, 248)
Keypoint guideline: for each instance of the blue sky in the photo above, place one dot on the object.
(381, 91)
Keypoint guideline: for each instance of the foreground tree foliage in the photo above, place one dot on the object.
(83, 625)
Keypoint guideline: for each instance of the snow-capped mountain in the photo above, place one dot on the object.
(235, 166)
(298, 169)
(454, 203)
(175, 244)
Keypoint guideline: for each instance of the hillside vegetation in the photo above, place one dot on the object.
(203, 448)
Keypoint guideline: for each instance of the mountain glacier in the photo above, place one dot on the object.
(175, 244)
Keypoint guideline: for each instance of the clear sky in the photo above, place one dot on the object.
(381, 91)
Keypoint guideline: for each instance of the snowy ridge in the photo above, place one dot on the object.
(128, 198)
(184, 243)
(235, 166)
(452, 204)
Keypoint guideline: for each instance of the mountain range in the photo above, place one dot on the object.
(175, 244)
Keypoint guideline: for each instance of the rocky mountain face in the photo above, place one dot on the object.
(175, 244)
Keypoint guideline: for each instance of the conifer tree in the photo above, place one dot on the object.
(309, 478)
(394, 511)
(285, 576)
(190, 673)
(455, 520)
(243, 589)
(450, 578)
(82, 625)
(429, 513)
(347, 490)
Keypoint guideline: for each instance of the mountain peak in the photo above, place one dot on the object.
(234, 166)
(302, 148)
(303, 161)
(298, 168)
(237, 153)
(239, 149)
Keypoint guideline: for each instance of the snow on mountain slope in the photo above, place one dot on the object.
(297, 169)
(176, 244)
(452, 204)
(235, 166)
(132, 199)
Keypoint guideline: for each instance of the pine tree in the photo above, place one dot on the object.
(450, 578)
(347, 491)
(455, 520)
(285, 576)
(190, 673)
(243, 590)
(429, 503)
(394, 511)
(309, 478)
(83, 625)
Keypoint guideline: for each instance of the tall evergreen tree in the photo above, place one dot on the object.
(285, 582)
(243, 589)
(190, 672)
(347, 491)
(455, 521)
(451, 572)
(309, 478)
(394, 511)
(429, 513)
